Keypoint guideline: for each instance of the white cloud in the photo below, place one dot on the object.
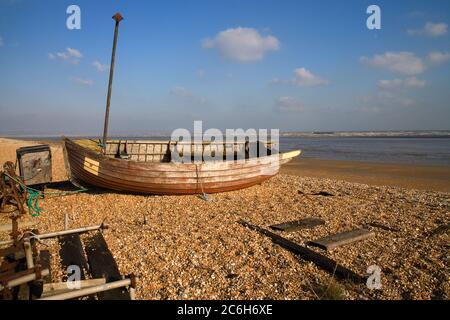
(431, 30)
(84, 82)
(369, 109)
(302, 78)
(181, 92)
(99, 66)
(438, 57)
(288, 104)
(411, 82)
(384, 100)
(405, 63)
(74, 53)
(388, 84)
(242, 44)
(62, 55)
(188, 95)
(390, 98)
(70, 55)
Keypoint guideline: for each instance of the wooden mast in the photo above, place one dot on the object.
(117, 17)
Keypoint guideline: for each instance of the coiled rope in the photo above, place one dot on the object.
(34, 195)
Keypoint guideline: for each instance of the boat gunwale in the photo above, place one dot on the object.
(145, 165)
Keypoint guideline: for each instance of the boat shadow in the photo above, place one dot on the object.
(68, 187)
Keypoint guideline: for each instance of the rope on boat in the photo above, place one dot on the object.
(34, 195)
(203, 195)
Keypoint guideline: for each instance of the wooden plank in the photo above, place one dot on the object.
(306, 223)
(440, 230)
(304, 253)
(103, 265)
(336, 240)
(382, 226)
(72, 253)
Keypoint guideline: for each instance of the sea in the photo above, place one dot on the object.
(397, 147)
(418, 148)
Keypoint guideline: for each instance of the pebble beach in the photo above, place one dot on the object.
(183, 247)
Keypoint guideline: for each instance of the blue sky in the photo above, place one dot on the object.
(293, 65)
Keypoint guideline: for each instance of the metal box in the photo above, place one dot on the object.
(35, 164)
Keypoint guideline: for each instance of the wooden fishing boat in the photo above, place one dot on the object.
(147, 167)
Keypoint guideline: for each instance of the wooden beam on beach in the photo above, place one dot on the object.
(304, 253)
(336, 240)
(440, 230)
(381, 226)
(103, 265)
(306, 223)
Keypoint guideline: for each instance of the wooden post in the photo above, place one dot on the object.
(117, 17)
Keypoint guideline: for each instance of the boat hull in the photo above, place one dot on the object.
(87, 167)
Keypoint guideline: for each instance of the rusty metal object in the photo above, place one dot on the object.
(102, 226)
(11, 191)
(35, 272)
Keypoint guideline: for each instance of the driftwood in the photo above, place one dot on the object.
(299, 224)
(381, 226)
(321, 193)
(440, 230)
(336, 240)
(319, 260)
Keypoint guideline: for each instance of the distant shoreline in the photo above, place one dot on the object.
(411, 176)
(285, 134)
(421, 151)
(421, 177)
